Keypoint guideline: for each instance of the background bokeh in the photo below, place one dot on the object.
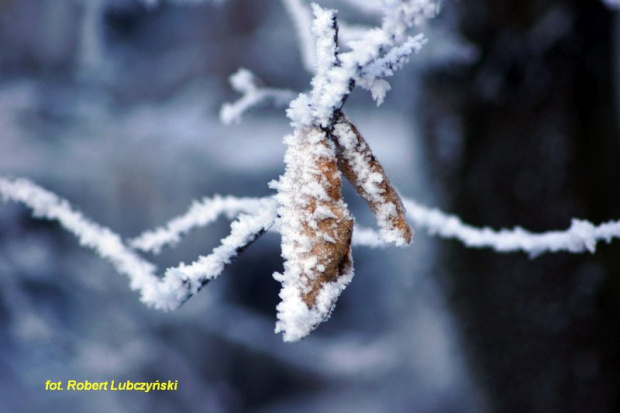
(114, 106)
(507, 117)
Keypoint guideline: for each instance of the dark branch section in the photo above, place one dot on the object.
(535, 142)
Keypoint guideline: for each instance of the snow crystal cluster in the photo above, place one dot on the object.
(253, 94)
(316, 230)
(371, 57)
(363, 171)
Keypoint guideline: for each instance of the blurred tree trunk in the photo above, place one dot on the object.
(527, 135)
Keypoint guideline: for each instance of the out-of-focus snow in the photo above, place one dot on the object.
(132, 149)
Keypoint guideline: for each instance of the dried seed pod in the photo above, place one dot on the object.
(363, 170)
(316, 229)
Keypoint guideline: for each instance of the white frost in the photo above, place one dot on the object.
(357, 153)
(295, 319)
(295, 191)
(253, 94)
(179, 283)
(375, 54)
(200, 214)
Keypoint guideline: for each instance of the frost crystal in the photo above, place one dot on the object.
(316, 232)
(253, 94)
(365, 173)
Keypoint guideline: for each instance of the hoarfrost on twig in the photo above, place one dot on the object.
(253, 94)
(316, 226)
(581, 236)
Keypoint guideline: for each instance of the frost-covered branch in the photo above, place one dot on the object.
(580, 237)
(368, 58)
(370, 78)
(373, 55)
(253, 94)
(317, 228)
(102, 240)
(257, 215)
(180, 282)
(200, 214)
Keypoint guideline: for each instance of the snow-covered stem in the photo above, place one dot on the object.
(581, 236)
(180, 282)
(107, 244)
(253, 94)
(371, 77)
(200, 214)
(257, 215)
(375, 54)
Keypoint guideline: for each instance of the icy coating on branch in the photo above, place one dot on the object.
(371, 77)
(580, 237)
(296, 319)
(107, 244)
(180, 283)
(200, 214)
(375, 55)
(253, 94)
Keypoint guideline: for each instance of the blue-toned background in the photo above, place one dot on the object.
(114, 106)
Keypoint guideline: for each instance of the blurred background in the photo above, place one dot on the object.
(507, 117)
